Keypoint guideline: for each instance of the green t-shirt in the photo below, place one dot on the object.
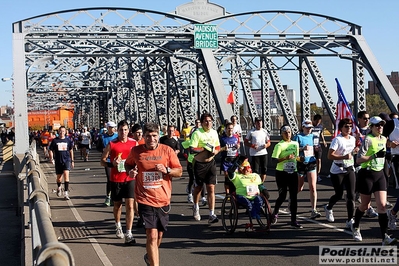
(207, 140)
(284, 149)
(247, 185)
(371, 145)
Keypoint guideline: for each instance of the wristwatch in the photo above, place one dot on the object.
(168, 170)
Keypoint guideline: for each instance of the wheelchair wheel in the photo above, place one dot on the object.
(229, 214)
(265, 219)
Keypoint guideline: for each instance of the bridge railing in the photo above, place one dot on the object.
(33, 195)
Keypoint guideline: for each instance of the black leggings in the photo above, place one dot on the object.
(348, 180)
(287, 182)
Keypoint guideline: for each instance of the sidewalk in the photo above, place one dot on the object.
(10, 229)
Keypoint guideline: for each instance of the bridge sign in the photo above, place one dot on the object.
(205, 36)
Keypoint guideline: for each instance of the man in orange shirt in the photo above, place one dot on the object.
(153, 165)
(45, 140)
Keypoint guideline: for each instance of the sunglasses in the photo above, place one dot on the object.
(347, 126)
(366, 118)
(379, 125)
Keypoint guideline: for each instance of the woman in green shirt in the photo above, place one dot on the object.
(286, 153)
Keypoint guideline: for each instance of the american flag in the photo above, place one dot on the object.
(343, 111)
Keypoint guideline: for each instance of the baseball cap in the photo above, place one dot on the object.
(111, 124)
(385, 117)
(375, 120)
(285, 128)
(307, 123)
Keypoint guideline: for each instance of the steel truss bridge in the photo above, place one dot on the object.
(140, 65)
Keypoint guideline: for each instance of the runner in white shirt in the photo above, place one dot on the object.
(85, 140)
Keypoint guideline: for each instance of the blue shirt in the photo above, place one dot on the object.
(304, 140)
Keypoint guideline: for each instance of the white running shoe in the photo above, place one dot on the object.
(213, 219)
(66, 195)
(59, 192)
(388, 241)
(315, 214)
(204, 201)
(371, 212)
(190, 198)
(196, 214)
(119, 232)
(391, 220)
(348, 224)
(329, 214)
(356, 234)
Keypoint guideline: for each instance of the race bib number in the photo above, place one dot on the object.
(121, 166)
(289, 167)
(252, 190)
(152, 179)
(62, 146)
(209, 147)
(309, 152)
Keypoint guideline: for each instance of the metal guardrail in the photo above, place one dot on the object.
(45, 248)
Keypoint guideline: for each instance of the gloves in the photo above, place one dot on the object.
(265, 193)
(380, 154)
(235, 164)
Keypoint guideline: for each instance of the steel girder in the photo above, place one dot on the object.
(359, 88)
(73, 38)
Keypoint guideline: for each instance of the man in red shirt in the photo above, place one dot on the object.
(122, 185)
(153, 165)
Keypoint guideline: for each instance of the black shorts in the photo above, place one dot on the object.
(61, 167)
(319, 153)
(259, 164)
(305, 168)
(204, 173)
(81, 146)
(154, 217)
(122, 190)
(369, 181)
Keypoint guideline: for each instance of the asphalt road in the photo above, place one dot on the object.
(87, 227)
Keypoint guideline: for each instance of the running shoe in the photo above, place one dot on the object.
(348, 224)
(196, 214)
(315, 214)
(388, 205)
(274, 219)
(356, 234)
(371, 212)
(329, 214)
(66, 195)
(190, 198)
(119, 232)
(204, 201)
(319, 179)
(59, 192)
(388, 241)
(107, 201)
(130, 240)
(213, 219)
(391, 220)
(147, 260)
(296, 225)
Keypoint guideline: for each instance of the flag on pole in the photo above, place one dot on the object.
(343, 111)
(230, 98)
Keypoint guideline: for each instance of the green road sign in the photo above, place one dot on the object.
(205, 36)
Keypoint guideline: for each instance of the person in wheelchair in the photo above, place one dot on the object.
(247, 186)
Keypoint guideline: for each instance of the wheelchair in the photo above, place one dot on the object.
(230, 214)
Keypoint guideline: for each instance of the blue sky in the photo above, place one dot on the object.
(379, 21)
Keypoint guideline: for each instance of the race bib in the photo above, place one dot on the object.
(121, 166)
(231, 152)
(289, 167)
(309, 152)
(252, 190)
(62, 146)
(152, 179)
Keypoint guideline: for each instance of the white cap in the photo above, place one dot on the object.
(307, 123)
(111, 124)
(376, 120)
